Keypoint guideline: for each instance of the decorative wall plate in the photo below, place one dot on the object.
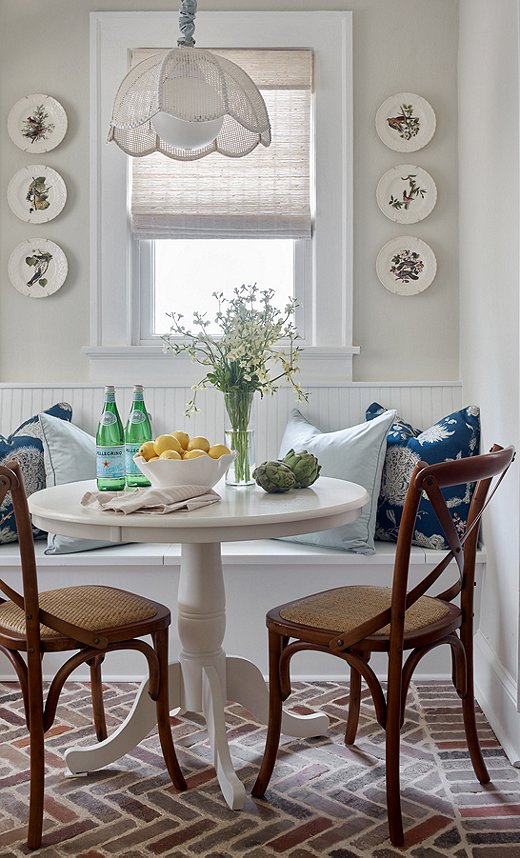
(405, 122)
(406, 265)
(36, 194)
(37, 123)
(37, 267)
(406, 194)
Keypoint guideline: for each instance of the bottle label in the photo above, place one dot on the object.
(131, 468)
(137, 417)
(108, 418)
(110, 463)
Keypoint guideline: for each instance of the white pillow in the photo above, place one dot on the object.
(68, 457)
(357, 454)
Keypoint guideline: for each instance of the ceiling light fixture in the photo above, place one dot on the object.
(188, 103)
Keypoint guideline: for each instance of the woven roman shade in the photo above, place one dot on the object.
(265, 194)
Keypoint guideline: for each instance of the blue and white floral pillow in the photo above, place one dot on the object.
(454, 437)
(25, 446)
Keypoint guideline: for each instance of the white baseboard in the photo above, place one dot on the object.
(496, 692)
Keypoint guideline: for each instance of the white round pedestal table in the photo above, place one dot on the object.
(204, 677)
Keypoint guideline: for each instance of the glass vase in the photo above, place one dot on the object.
(240, 437)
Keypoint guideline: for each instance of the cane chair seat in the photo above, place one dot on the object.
(94, 608)
(346, 608)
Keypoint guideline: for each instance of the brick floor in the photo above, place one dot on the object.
(324, 799)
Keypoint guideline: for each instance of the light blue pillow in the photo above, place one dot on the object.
(357, 454)
(68, 456)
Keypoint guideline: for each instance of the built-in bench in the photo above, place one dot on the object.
(258, 575)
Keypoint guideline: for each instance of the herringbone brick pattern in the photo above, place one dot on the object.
(324, 799)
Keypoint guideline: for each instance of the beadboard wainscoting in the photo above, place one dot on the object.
(329, 407)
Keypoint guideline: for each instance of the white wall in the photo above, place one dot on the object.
(399, 45)
(489, 273)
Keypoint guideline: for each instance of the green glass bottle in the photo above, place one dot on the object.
(110, 446)
(138, 430)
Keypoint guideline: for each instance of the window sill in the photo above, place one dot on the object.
(318, 365)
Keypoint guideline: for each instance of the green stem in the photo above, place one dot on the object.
(238, 407)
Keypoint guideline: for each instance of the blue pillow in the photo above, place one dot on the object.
(25, 446)
(454, 437)
(356, 454)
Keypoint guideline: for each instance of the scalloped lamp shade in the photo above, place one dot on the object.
(186, 104)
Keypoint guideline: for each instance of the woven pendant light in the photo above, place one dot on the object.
(188, 103)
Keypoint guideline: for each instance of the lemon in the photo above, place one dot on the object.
(146, 450)
(170, 454)
(166, 442)
(194, 454)
(182, 437)
(198, 443)
(153, 458)
(218, 450)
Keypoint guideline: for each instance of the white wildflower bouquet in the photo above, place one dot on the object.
(255, 350)
(246, 354)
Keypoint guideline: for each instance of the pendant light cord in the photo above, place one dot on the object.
(187, 23)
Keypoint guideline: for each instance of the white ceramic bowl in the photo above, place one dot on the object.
(203, 471)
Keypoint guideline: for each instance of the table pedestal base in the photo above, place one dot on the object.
(245, 686)
(201, 681)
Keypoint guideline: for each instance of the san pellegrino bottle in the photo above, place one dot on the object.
(110, 446)
(138, 429)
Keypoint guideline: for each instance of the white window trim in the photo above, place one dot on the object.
(115, 306)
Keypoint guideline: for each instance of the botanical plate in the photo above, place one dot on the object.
(405, 122)
(36, 194)
(406, 265)
(406, 194)
(37, 123)
(37, 267)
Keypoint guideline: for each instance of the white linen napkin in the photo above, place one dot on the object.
(152, 500)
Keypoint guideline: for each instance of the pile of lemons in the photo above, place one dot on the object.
(179, 445)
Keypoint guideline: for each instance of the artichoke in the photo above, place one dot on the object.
(305, 467)
(274, 477)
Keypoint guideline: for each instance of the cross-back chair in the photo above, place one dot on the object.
(352, 622)
(91, 621)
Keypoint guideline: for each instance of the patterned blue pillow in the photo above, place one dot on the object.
(454, 437)
(25, 446)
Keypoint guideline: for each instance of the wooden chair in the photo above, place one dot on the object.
(92, 621)
(353, 622)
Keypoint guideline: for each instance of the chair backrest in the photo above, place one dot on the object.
(462, 537)
(11, 480)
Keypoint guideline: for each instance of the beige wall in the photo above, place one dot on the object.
(489, 262)
(399, 45)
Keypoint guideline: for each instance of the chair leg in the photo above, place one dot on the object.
(393, 742)
(37, 754)
(96, 690)
(34, 837)
(275, 717)
(160, 640)
(468, 714)
(354, 703)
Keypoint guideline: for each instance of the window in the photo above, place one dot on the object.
(187, 272)
(217, 222)
(124, 319)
